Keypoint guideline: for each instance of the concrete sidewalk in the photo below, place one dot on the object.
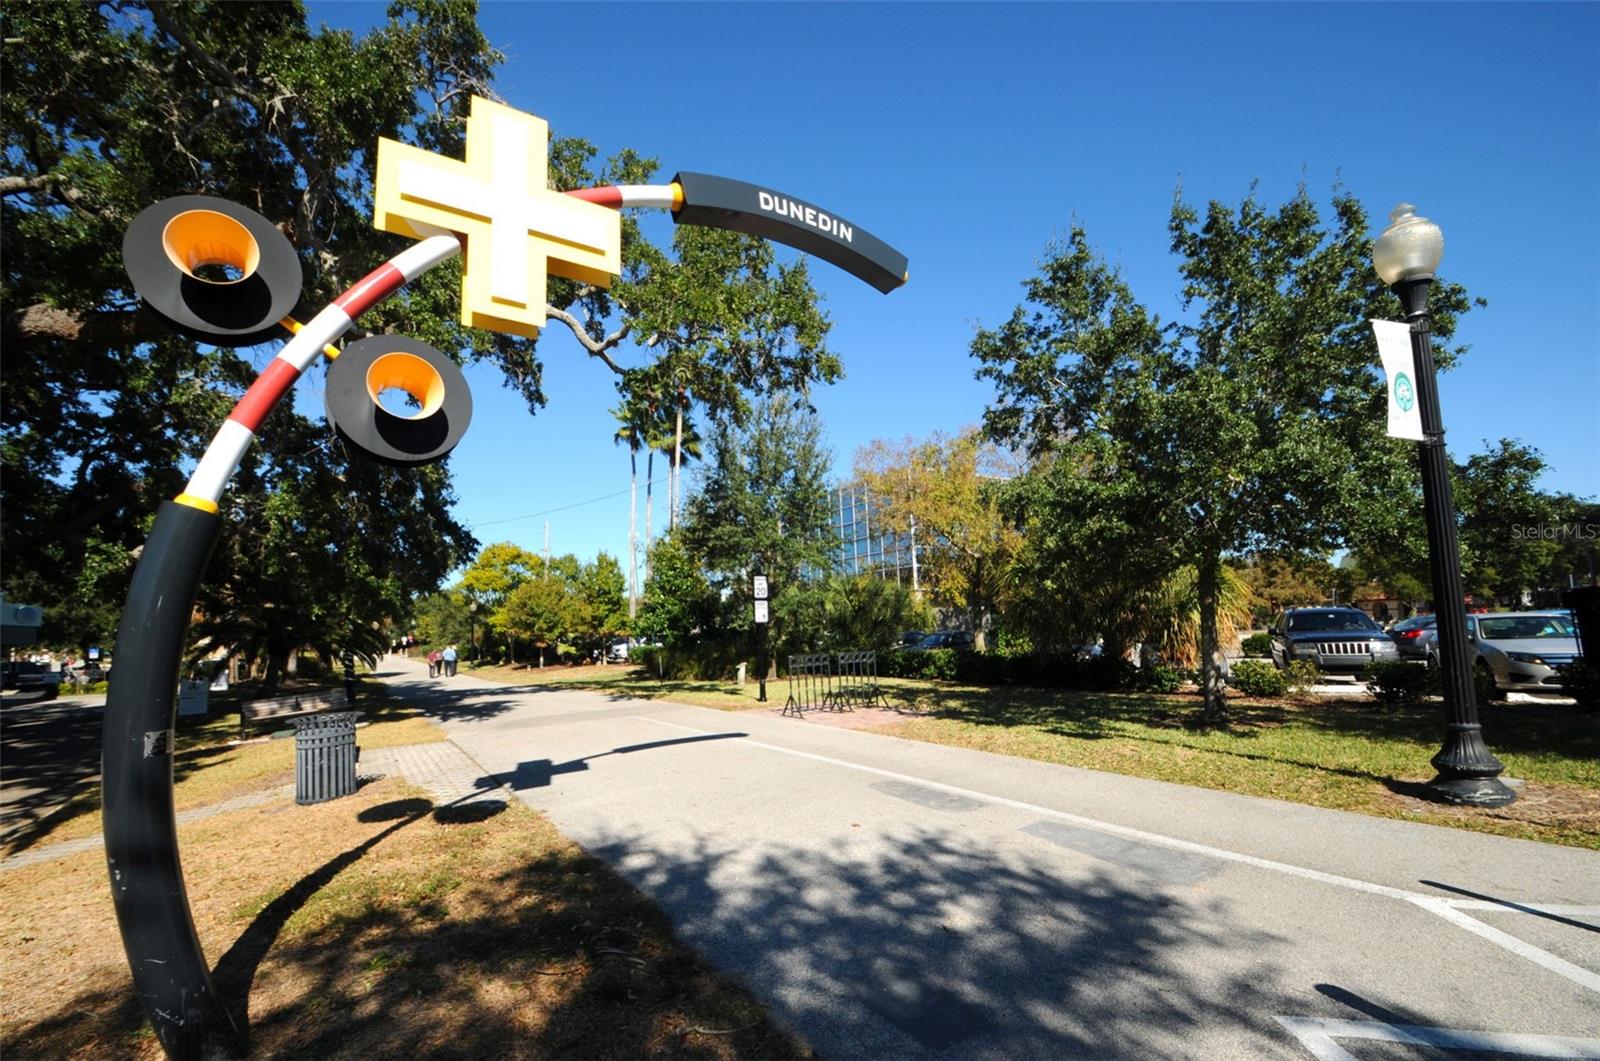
(897, 899)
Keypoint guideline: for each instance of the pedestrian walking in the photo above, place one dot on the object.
(434, 659)
(450, 661)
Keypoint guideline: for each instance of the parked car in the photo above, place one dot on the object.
(945, 639)
(1413, 636)
(28, 677)
(1337, 640)
(911, 638)
(623, 649)
(1522, 651)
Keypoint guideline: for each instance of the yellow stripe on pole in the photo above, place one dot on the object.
(195, 501)
(294, 326)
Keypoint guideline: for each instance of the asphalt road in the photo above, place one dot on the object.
(892, 899)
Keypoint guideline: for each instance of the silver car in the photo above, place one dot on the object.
(1413, 636)
(1520, 651)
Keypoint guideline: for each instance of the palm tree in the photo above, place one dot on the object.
(684, 443)
(652, 441)
(631, 431)
(1175, 613)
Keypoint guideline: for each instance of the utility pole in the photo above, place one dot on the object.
(547, 547)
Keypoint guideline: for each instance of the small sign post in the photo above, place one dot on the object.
(763, 618)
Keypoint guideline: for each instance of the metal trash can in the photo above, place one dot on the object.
(325, 756)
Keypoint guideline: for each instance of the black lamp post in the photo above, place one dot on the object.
(1406, 256)
(472, 628)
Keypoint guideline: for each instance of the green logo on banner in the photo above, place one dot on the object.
(1404, 396)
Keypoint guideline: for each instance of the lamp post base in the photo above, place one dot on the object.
(1468, 771)
(1470, 791)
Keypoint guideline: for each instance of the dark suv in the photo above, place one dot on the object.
(1337, 640)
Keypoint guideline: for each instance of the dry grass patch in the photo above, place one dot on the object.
(376, 926)
(212, 765)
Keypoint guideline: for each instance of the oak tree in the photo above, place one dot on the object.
(1254, 417)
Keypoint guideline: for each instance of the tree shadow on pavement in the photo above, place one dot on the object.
(461, 705)
(50, 768)
(935, 947)
(921, 945)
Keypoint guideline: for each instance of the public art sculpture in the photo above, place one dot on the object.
(223, 274)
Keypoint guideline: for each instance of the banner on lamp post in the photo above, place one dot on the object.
(1400, 378)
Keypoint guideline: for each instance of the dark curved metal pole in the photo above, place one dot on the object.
(141, 835)
(170, 972)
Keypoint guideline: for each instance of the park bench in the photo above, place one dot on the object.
(291, 705)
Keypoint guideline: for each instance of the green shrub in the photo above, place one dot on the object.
(1037, 669)
(1257, 677)
(938, 664)
(1101, 674)
(1160, 678)
(650, 657)
(1300, 676)
(1395, 682)
(1257, 645)
(707, 660)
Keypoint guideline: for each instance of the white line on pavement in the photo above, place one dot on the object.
(1318, 1036)
(1439, 907)
(1578, 975)
(1506, 906)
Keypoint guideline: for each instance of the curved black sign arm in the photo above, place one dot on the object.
(717, 202)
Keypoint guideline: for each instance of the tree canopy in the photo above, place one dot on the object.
(110, 107)
(1249, 421)
(947, 493)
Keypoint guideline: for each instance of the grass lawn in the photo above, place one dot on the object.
(211, 765)
(1346, 754)
(379, 926)
(623, 680)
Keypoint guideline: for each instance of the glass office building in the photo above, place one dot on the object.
(864, 547)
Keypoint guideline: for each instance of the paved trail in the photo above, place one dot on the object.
(892, 899)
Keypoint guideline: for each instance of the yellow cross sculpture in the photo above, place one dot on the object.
(517, 229)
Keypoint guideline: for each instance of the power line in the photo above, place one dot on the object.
(563, 508)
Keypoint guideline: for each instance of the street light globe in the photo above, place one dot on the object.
(1409, 249)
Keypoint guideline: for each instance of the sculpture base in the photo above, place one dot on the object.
(1470, 791)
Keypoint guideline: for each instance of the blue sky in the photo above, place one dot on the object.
(969, 135)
